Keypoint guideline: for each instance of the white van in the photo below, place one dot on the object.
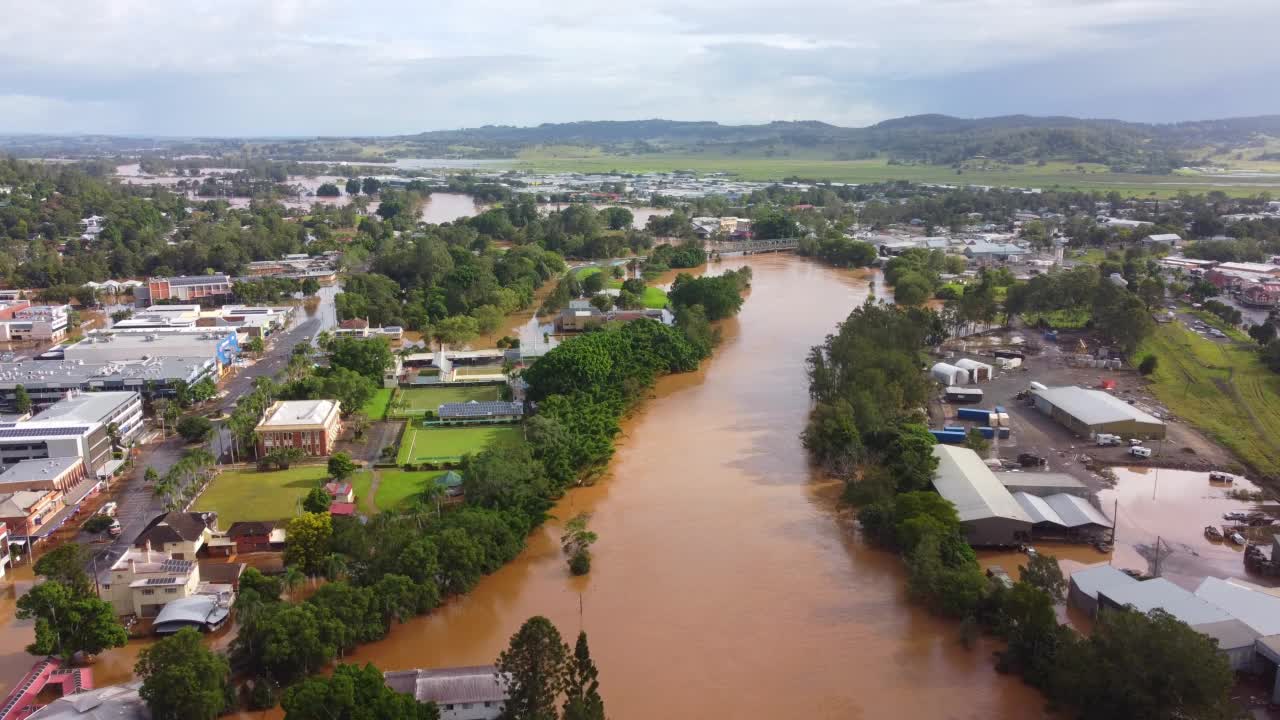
(1139, 451)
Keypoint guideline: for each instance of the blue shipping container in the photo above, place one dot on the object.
(987, 432)
(973, 414)
(953, 428)
(948, 436)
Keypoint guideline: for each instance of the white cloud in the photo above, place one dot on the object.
(324, 66)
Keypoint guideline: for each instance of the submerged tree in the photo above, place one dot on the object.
(576, 542)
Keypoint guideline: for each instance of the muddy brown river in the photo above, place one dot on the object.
(726, 582)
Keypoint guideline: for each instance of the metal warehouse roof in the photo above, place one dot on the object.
(476, 409)
(1258, 610)
(1094, 407)
(194, 610)
(450, 686)
(1100, 578)
(1039, 479)
(1230, 634)
(970, 485)
(1160, 593)
(1061, 509)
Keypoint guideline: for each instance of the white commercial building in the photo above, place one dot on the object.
(38, 322)
(462, 693)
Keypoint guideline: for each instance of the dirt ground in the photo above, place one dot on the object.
(1033, 432)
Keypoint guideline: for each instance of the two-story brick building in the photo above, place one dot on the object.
(311, 426)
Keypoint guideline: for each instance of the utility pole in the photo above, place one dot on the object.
(1157, 571)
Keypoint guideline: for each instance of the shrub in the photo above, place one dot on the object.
(1148, 364)
(97, 524)
(580, 563)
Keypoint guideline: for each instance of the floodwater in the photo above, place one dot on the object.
(727, 583)
(1173, 507)
(447, 207)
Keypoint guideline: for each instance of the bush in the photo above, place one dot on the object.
(194, 428)
(97, 524)
(1148, 364)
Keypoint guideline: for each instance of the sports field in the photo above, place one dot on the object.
(409, 402)
(442, 444)
(255, 495)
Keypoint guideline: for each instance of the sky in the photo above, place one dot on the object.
(324, 67)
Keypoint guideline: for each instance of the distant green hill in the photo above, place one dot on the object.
(939, 140)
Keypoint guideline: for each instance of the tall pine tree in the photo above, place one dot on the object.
(582, 685)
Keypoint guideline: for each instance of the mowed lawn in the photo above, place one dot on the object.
(252, 495)
(361, 484)
(654, 297)
(419, 400)
(376, 408)
(1221, 388)
(398, 486)
(449, 443)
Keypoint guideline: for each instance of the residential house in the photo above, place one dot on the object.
(179, 534)
(256, 536)
(341, 492)
(143, 580)
(308, 425)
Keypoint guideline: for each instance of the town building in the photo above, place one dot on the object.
(73, 688)
(123, 409)
(27, 512)
(474, 411)
(36, 322)
(33, 440)
(989, 514)
(48, 381)
(359, 328)
(1088, 412)
(143, 581)
(1168, 239)
(984, 250)
(1260, 295)
(180, 535)
(160, 317)
(308, 425)
(60, 473)
(219, 344)
(185, 288)
(462, 693)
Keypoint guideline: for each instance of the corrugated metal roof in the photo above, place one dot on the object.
(1160, 593)
(1076, 511)
(970, 485)
(1100, 577)
(450, 686)
(1258, 610)
(1094, 407)
(476, 409)
(1230, 634)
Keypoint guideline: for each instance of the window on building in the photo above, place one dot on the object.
(148, 591)
(171, 591)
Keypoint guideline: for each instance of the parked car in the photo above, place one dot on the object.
(1134, 442)
(108, 509)
(115, 529)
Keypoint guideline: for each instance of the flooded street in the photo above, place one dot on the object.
(726, 581)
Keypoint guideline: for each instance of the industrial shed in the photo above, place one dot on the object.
(988, 512)
(1089, 412)
(1043, 484)
(978, 371)
(1062, 514)
(1085, 584)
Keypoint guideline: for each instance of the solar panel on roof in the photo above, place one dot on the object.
(162, 581)
(175, 566)
(24, 432)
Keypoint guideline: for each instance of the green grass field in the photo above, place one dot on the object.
(820, 167)
(417, 401)
(421, 444)
(1221, 388)
(252, 495)
(362, 483)
(397, 486)
(376, 408)
(654, 297)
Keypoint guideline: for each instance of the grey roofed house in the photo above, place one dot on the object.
(480, 410)
(175, 527)
(450, 686)
(988, 512)
(1063, 510)
(202, 612)
(113, 702)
